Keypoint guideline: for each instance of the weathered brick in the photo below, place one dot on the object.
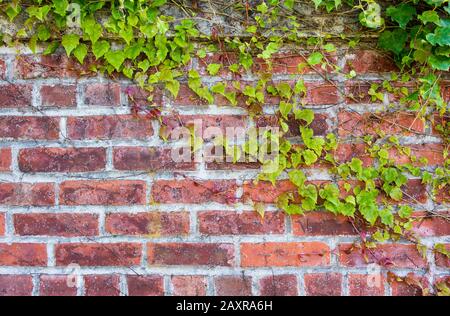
(62, 159)
(391, 255)
(231, 285)
(107, 192)
(322, 224)
(187, 97)
(189, 285)
(59, 95)
(23, 254)
(246, 223)
(321, 94)
(431, 225)
(140, 97)
(204, 254)
(191, 191)
(411, 285)
(16, 285)
(279, 285)
(2, 224)
(5, 159)
(346, 152)
(355, 124)
(366, 284)
(56, 285)
(60, 224)
(284, 254)
(2, 69)
(154, 223)
(320, 124)
(148, 158)
(29, 128)
(433, 153)
(15, 95)
(145, 285)
(102, 94)
(358, 92)
(323, 284)
(27, 194)
(102, 285)
(98, 254)
(265, 192)
(109, 127)
(369, 61)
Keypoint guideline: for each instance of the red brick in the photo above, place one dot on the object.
(346, 152)
(246, 223)
(102, 94)
(188, 97)
(148, 158)
(109, 127)
(411, 285)
(2, 224)
(5, 159)
(102, 285)
(23, 254)
(154, 223)
(414, 192)
(56, 285)
(323, 284)
(320, 124)
(366, 285)
(16, 285)
(207, 125)
(147, 285)
(369, 61)
(431, 225)
(391, 255)
(189, 285)
(284, 254)
(62, 159)
(59, 95)
(321, 93)
(279, 285)
(2, 69)
(27, 194)
(443, 195)
(29, 128)
(140, 97)
(56, 65)
(60, 224)
(98, 254)
(233, 285)
(355, 124)
(265, 192)
(322, 224)
(15, 96)
(442, 260)
(358, 92)
(190, 191)
(107, 192)
(432, 152)
(204, 254)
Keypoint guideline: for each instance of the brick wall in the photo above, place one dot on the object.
(92, 204)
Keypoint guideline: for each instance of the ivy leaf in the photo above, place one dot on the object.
(115, 58)
(173, 87)
(92, 29)
(213, 69)
(405, 211)
(386, 216)
(370, 213)
(315, 58)
(393, 41)
(80, 52)
(43, 33)
(100, 48)
(309, 156)
(70, 42)
(440, 36)
(396, 194)
(401, 14)
(60, 7)
(297, 177)
(305, 115)
(439, 62)
(285, 109)
(429, 17)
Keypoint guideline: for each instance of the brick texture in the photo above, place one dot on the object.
(84, 182)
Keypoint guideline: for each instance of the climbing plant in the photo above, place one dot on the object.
(144, 40)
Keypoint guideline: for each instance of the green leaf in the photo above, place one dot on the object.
(43, 33)
(80, 52)
(309, 156)
(386, 216)
(115, 58)
(92, 29)
(405, 211)
(429, 17)
(100, 48)
(60, 7)
(305, 115)
(439, 62)
(297, 177)
(173, 87)
(70, 42)
(213, 69)
(401, 14)
(396, 194)
(393, 41)
(441, 36)
(315, 58)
